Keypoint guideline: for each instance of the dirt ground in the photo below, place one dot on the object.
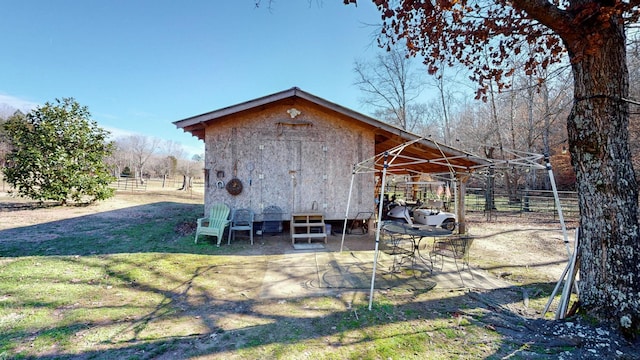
(520, 249)
(520, 241)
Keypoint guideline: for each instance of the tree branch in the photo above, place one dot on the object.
(545, 13)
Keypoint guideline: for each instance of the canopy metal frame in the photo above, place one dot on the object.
(394, 161)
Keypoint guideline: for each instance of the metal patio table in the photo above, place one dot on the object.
(399, 232)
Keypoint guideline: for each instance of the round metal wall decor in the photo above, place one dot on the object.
(234, 186)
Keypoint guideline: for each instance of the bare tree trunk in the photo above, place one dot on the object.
(530, 139)
(140, 178)
(489, 192)
(186, 183)
(500, 144)
(443, 101)
(547, 126)
(606, 183)
(511, 175)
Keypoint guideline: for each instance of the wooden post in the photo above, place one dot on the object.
(415, 187)
(461, 184)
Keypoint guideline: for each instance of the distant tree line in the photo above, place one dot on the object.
(148, 157)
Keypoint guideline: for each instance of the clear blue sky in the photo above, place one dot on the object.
(139, 65)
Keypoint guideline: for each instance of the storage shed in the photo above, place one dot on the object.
(297, 151)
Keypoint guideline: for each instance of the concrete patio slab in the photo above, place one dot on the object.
(327, 271)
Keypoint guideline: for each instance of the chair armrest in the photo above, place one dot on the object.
(201, 220)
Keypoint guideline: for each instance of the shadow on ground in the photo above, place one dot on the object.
(226, 306)
(143, 228)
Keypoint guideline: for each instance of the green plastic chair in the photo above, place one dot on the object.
(241, 220)
(215, 224)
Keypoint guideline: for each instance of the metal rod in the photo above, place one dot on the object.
(346, 215)
(555, 290)
(561, 313)
(557, 199)
(379, 226)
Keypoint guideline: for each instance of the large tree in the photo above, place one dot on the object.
(593, 36)
(58, 154)
(392, 88)
(140, 148)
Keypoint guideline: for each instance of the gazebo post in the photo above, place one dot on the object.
(379, 226)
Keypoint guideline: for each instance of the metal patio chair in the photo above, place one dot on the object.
(455, 247)
(361, 222)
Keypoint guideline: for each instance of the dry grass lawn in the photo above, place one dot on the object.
(123, 279)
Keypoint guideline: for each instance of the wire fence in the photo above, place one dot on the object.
(135, 184)
(124, 183)
(530, 203)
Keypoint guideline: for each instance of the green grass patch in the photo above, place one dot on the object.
(126, 284)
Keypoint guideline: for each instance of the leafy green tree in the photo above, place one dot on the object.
(58, 154)
(126, 171)
(5, 143)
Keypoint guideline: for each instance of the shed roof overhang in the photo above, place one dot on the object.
(420, 155)
(413, 155)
